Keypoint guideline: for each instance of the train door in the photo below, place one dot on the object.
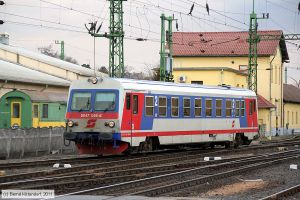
(136, 111)
(35, 115)
(252, 113)
(15, 110)
(133, 113)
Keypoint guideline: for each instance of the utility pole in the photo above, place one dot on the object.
(166, 49)
(252, 56)
(62, 49)
(116, 38)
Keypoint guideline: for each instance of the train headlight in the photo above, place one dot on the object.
(70, 123)
(111, 124)
(93, 80)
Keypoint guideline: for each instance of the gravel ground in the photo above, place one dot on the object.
(295, 197)
(253, 185)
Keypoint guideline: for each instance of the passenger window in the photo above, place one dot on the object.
(35, 111)
(16, 110)
(219, 108)
(186, 107)
(228, 108)
(251, 107)
(242, 108)
(175, 107)
(162, 106)
(237, 108)
(149, 106)
(198, 107)
(135, 104)
(128, 99)
(208, 107)
(45, 111)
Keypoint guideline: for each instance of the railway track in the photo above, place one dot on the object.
(139, 168)
(132, 162)
(82, 160)
(117, 173)
(174, 181)
(71, 183)
(284, 193)
(94, 159)
(46, 162)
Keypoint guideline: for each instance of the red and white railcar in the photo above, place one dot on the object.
(110, 116)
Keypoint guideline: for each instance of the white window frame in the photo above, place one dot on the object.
(149, 106)
(159, 106)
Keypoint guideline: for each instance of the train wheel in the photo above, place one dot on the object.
(238, 140)
(227, 145)
(247, 142)
(128, 151)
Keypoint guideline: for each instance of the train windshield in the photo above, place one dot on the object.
(105, 101)
(81, 101)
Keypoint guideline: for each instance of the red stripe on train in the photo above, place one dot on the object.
(89, 115)
(177, 133)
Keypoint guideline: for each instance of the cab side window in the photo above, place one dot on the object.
(135, 104)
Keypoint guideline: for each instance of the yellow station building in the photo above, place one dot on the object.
(291, 107)
(216, 58)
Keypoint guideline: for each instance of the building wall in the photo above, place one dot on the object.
(292, 115)
(5, 110)
(56, 115)
(56, 110)
(216, 77)
(11, 85)
(264, 120)
(269, 78)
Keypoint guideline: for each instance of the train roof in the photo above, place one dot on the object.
(164, 87)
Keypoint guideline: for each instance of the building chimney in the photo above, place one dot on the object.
(4, 38)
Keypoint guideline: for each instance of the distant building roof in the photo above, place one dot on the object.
(264, 103)
(50, 60)
(18, 73)
(203, 44)
(291, 94)
(36, 96)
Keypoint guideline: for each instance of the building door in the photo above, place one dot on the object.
(35, 115)
(15, 111)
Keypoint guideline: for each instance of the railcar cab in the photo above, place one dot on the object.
(92, 119)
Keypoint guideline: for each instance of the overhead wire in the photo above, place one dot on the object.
(41, 20)
(219, 13)
(196, 17)
(88, 14)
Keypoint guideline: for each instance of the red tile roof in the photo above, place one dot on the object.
(291, 94)
(264, 103)
(223, 44)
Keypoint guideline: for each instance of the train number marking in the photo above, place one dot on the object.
(93, 115)
(155, 101)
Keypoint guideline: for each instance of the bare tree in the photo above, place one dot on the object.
(48, 50)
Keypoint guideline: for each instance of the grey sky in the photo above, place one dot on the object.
(141, 19)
